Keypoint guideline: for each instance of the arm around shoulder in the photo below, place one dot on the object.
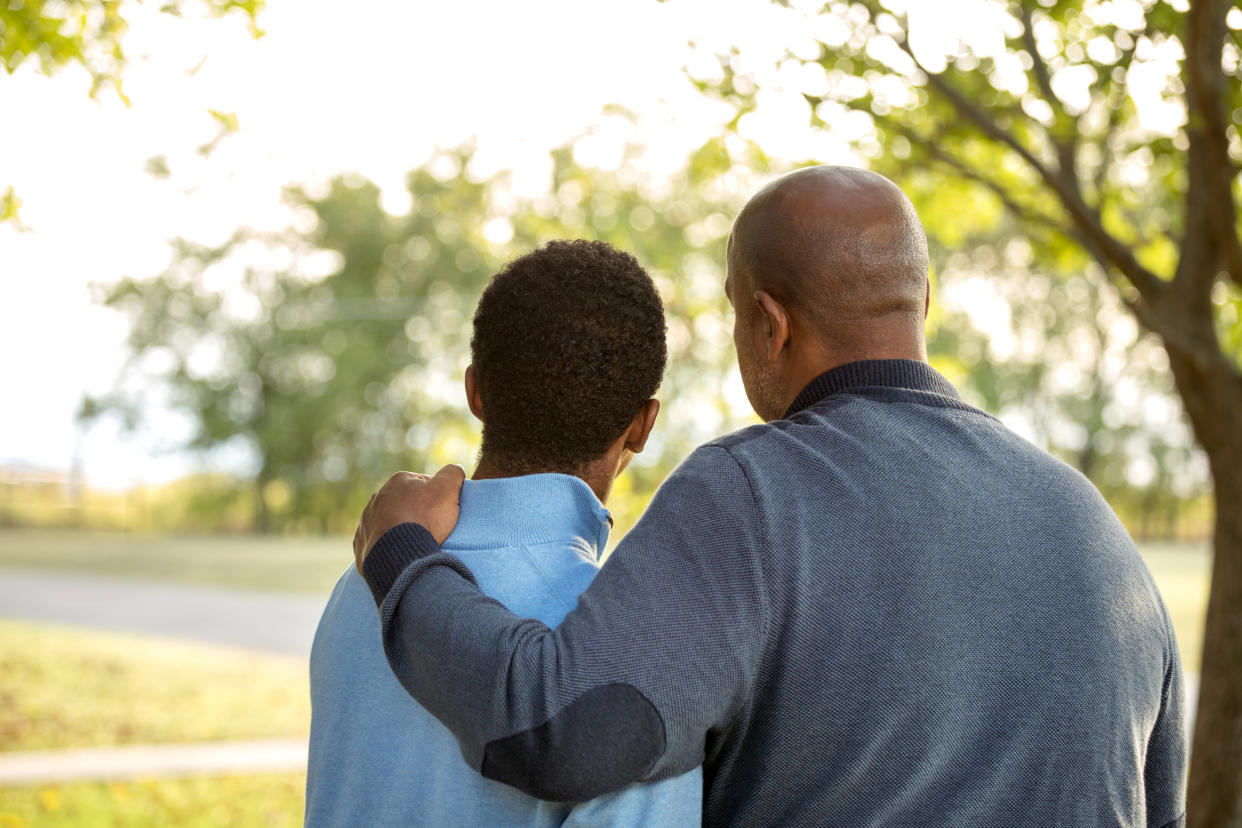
(661, 649)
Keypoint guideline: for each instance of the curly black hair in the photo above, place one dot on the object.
(568, 344)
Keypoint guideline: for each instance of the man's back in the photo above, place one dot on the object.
(961, 632)
(378, 758)
(885, 609)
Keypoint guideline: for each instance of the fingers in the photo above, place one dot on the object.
(452, 474)
(411, 497)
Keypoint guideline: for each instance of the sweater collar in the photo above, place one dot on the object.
(906, 374)
(528, 510)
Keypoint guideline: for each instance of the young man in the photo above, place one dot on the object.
(568, 350)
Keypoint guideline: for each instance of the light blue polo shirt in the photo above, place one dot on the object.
(377, 758)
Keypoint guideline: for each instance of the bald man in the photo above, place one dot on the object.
(881, 607)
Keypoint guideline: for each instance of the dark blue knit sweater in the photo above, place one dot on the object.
(885, 609)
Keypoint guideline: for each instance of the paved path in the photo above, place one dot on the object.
(150, 761)
(267, 622)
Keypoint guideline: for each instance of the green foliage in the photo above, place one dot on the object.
(89, 34)
(226, 123)
(10, 206)
(54, 34)
(319, 377)
(202, 502)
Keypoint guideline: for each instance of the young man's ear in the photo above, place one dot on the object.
(775, 324)
(641, 425)
(472, 394)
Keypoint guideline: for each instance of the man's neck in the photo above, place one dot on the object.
(491, 467)
(818, 360)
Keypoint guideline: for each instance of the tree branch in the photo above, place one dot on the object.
(934, 147)
(1066, 150)
(1043, 78)
(1086, 219)
(1114, 102)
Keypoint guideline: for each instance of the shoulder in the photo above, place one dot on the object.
(746, 439)
(349, 621)
(712, 468)
(350, 589)
(709, 492)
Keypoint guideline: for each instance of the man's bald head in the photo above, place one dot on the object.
(838, 246)
(826, 265)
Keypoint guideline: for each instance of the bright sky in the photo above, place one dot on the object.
(368, 86)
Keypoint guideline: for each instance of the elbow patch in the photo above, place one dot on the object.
(602, 741)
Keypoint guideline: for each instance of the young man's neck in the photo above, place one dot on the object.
(491, 468)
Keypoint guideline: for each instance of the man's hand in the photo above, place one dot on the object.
(410, 498)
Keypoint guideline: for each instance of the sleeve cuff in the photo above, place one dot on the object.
(396, 549)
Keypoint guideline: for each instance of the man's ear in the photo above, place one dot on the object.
(775, 324)
(927, 299)
(641, 425)
(472, 394)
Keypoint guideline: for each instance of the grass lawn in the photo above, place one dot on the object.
(274, 800)
(63, 687)
(274, 563)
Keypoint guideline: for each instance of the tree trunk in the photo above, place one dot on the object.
(262, 515)
(1215, 790)
(1173, 519)
(1148, 505)
(1212, 394)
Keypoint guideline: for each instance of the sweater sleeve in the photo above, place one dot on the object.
(1164, 774)
(659, 654)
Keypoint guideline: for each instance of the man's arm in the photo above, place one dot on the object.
(1164, 777)
(661, 650)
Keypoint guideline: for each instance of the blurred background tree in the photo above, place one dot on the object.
(339, 350)
(314, 374)
(1041, 121)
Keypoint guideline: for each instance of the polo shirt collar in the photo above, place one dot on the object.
(527, 510)
(904, 374)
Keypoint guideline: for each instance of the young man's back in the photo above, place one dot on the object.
(378, 758)
(567, 353)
